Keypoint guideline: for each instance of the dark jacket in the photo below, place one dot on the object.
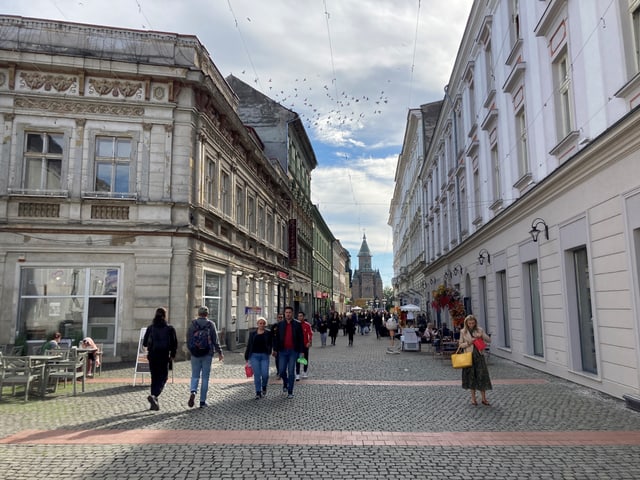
(298, 338)
(252, 336)
(164, 335)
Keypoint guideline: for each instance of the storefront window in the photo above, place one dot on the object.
(75, 301)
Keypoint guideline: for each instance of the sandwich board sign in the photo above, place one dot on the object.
(142, 362)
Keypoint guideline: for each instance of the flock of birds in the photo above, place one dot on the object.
(331, 110)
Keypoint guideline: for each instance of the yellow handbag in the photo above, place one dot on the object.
(461, 360)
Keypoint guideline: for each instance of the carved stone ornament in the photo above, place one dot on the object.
(158, 93)
(62, 106)
(114, 87)
(37, 80)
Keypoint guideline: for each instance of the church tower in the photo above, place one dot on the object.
(364, 256)
(366, 286)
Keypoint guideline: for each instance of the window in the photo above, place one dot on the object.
(464, 204)
(472, 103)
(564, 117)
(582, 299)
(534, 308)
(488, 65)
(495, 169)
(43, 154)
(113, 165)
(477, 212)
(459, 127)
(503, 308)
(212, 298)
(251, 213)
(261, 222)
(240, 206)
(514, 26)
(75, 301)
(225, 192)
(635, 18)
(270, 227)
(210, 189)
(523, 153)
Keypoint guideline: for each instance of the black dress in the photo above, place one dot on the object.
(476, 377)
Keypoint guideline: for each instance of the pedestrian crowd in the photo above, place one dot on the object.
(289, 341)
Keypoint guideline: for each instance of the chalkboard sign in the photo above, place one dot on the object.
(142, 363)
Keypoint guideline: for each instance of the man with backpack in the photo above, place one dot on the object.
(202, 341)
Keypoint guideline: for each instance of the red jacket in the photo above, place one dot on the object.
(307, 333)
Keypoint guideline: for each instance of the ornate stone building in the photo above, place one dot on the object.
(366, 285)
(129, 182)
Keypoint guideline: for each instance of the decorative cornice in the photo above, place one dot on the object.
(114, 87)
(65, 106)
(37, 80)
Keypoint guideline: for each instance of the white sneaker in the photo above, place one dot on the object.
(305, 375)
(297, 377)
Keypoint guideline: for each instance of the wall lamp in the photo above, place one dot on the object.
(534, 232)
(482, 254)
(432, 281)
(457, 269)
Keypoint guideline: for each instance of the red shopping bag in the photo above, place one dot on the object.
(479, 344)
(248, 370)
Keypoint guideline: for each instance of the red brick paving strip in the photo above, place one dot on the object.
(347, 438)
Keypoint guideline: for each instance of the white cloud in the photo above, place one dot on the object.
(351, 71)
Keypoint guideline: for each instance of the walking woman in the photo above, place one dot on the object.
(258, 353)
(162, 344)
(334, 327)
(475, 377)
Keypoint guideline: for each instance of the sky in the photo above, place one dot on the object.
(350, 68)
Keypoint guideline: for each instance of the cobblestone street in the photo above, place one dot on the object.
(362, 413)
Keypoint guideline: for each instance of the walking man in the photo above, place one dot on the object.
(288, 346)
(202, 341)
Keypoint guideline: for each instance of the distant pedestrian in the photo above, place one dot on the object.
(377, 323)
(323, 328)
(162, 344)
(258, 355)
(288, 346)
(334, 327)
(202, 342)
(392, 327)
(475, 377)
(307, 335)
(352, 324)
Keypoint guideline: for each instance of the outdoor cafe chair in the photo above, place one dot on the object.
(72, 369)
(20, 371)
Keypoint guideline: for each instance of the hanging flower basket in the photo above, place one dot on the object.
(449, 297)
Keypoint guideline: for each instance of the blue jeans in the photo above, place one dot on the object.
(201, 365)
(260, 364)
(287, 368)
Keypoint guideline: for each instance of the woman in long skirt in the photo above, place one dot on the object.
(475, 377)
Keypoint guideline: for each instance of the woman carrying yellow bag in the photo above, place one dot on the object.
(476, 377)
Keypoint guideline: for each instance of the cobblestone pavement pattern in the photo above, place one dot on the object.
(361, 414)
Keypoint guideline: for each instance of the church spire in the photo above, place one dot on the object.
(364, 255)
